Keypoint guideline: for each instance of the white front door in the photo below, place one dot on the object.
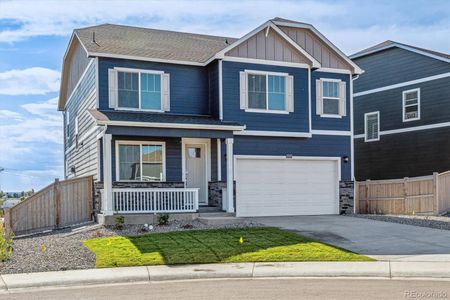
(195, 155)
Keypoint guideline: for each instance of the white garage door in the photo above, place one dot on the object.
(277, 187)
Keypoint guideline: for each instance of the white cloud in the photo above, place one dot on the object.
(47, 109)
(31, 81)
(9, 114)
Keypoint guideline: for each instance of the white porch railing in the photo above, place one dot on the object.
(142, 200)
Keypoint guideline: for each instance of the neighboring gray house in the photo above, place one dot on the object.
(401, 112)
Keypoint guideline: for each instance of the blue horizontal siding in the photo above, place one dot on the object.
(434, 106)
(322, 123)
(173, 155)
(395, 65)
(188, 84)
(297, 121)
(318, 145)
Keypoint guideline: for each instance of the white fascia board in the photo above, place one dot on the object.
(274, 133)
(409, 129)
(402, 84)
(132, 57)
(171, 125)
(402, 47)
(265, 62)
(333, 70)
(331, 132)
(357, 69)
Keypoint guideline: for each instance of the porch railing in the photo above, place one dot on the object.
(142, 200)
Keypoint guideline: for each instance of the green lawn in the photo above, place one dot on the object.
(214, 246)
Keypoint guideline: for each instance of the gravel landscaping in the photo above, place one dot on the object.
(442, 222)
(64, 249)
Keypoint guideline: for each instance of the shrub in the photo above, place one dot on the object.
(120, 220)
(5, 244)
(163, 219)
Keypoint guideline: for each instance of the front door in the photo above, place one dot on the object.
(196, 170)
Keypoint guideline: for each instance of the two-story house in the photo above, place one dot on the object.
(170, 121)
(401, 112)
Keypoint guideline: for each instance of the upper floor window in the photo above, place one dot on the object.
(372, 126)
(331, 99)
(139, 89)
(266, 92)
(67, 125)
(411, 105)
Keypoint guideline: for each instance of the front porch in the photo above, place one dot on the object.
(146, 172)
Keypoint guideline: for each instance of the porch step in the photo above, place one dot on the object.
(217, 214)
(221, 220)
(208, 209)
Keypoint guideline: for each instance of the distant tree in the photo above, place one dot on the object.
(2, 194)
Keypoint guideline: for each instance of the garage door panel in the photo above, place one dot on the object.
(270, 187)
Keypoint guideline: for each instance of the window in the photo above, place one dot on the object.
(331, 99)
(67, 125)
(138, 89)
(266, 92)
(141, 161)
(194, 152)
(411, 105)
(372, 126)
(76, 131)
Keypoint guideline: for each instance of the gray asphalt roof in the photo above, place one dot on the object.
(132, 116)
(388, 43)
(152, 43)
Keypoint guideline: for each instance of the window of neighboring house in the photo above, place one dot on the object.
(372, 126)
(140, 90)
(411, 105)
(266, 92)
(76, 130)
(331, 99)
(141, 161)
(67, 125)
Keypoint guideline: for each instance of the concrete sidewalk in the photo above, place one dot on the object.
(387, 270)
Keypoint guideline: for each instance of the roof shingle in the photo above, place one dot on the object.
(152, 43)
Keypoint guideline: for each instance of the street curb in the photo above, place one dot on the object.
(379, 269)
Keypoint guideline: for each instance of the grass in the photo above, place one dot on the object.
(214, 246)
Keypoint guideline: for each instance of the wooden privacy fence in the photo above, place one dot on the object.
(60, 204)
(422, 195)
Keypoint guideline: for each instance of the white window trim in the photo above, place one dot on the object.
(267, 110)
(140, 143)
(336, 116)
(67, 125)
(365, 126)
(404, 104)
(139, 72)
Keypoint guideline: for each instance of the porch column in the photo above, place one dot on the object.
(230, 185)
(107, 205)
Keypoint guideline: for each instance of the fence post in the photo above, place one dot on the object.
(7, 222)
(367, 196)
(436, 192)
(57, 202)
(405, 194)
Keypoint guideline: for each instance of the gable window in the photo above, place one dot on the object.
(330, 98)
(372, 126)
(266, 92)
(132, 89)
(411, 105)
(140, 161)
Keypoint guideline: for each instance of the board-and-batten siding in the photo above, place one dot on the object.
(82, 155)
(270, 47)
(327, 57)
(78, 62)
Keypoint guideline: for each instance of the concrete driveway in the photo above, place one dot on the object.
(377, 239)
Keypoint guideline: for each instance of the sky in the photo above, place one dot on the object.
(34, 35)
